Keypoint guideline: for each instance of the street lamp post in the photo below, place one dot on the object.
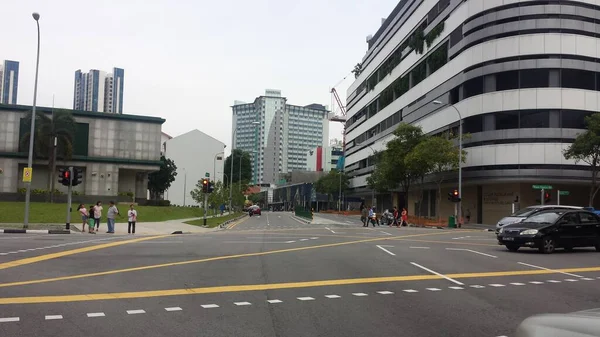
(36, 17)
(460, 135)
(184, 184)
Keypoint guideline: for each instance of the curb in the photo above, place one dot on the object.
(306, 221)
(34, 231)
(429, 227)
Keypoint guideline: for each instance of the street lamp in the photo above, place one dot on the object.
(36, 17)
(255, 123)
(460, 135)
(184, 184)
(215, 165)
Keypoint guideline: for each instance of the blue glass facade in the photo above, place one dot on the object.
(118, 82)
(10, 82)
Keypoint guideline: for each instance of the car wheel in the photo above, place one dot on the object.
(548, 245)
(512, 248)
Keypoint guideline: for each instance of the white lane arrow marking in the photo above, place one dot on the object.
(385, 250)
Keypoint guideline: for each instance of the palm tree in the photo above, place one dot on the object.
(61, 126)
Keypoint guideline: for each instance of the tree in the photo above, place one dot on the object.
(437, 155)
(392, 169)
(330, 183)
(220, 194)
(160, 181)
(586, 148)
(256, 198)
(62, 126)
(357, 70)
(246, 166)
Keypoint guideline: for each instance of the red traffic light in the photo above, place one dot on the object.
(205, 181)
(455, 192)
(66, 174)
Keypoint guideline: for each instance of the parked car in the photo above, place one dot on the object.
(254, 210)
(581, 323)
(526, 212)
(550, 229)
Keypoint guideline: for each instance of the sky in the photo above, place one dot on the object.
(188, 60)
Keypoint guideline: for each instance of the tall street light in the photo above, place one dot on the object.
(184, 184)
(460, 135)
(255, 123)
(36, 17)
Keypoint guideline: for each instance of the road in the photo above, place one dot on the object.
(274, 276)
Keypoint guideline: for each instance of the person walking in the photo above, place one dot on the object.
(363, 216)
(97, 214)
(404, 217)
(396, 214)
(110, 217)
(131, 219)
(91, 220)
(84, 216)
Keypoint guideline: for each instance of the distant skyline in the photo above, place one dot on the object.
(188, 61)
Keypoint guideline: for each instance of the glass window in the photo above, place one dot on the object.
(534, 119)
(588, 217)
(573, 119)
(473, 124)
(578, 79)
(507, 80)
(473, 87)
(534, 78)
(507, 120)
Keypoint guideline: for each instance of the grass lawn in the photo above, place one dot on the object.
(214, 222)
(13, 212)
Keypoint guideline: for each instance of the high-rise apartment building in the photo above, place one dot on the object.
(9, 82)
(98, 91)
(522, 74)
(279, 142)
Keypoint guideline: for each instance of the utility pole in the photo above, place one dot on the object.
(205, 207)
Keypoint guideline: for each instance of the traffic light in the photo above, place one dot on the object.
(211, 187)
(454, 196)
(547, 197)
(77, 176)
(204, 185)
(64, 176)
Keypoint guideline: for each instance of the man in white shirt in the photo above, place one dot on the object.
(131, 219)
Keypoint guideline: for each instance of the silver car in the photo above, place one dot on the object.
(579, 324)
(526, 212)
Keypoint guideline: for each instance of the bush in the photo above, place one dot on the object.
(22, 190)
(126, 194)
(39, 191)
(161, 203)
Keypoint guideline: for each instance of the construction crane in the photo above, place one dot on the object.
(341, 117)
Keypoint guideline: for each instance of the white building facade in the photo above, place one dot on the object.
(195, 154)
(522, 74)
(279, 141)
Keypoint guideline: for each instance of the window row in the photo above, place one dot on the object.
(525, 119)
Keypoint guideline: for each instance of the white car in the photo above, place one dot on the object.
(526, 212)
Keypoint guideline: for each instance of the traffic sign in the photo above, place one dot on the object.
(564, 193)
(542, 187)
(207, 175)
(27, 174)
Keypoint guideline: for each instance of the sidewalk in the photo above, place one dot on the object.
(148, 228)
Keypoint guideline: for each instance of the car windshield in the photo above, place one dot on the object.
(525, 212)
(544, 218)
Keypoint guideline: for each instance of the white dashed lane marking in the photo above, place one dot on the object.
(173, 309)
(306, 298)
(96, 314)
(359, 294)
(56, 246)
(333, 296)
(209, 306)
(274, 301)
(53, 317)
(242, 303)
(135, 312)
(9, 319)
(385, 292)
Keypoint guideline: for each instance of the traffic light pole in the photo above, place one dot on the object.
(69, 193)
(205, 207)
(542, 196)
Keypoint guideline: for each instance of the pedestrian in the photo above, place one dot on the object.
(97, 214)
(404, 217)
(84, 216)
(131, 219)
(363, 216)
(91, 220)
(110, 217)
(373, 217)
(396, 213)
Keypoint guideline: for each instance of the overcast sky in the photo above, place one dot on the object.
(188, 60)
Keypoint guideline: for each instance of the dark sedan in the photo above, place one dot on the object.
(548, 230)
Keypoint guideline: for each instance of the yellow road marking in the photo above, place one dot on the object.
(217, 258)
(275, 286)
(237, 223)
(45, 257)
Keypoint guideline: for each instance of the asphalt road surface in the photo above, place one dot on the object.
(275, 276)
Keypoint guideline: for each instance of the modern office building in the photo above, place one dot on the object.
(193, 163)
(279, 142)
(9, 82)
(99, 91)
(116, 152)
(522, 74)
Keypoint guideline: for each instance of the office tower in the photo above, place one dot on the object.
(284, 134)
(9, 82)
(98, 91)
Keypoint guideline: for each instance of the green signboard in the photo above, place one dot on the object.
(542, 187)
(207, 175)
(564, 193)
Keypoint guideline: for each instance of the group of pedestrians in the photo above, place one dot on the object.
(92, 217)
(395, 218)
